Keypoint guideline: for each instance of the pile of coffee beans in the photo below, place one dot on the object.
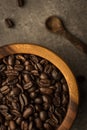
(33, 93)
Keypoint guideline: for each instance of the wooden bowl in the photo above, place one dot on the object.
(61, 65)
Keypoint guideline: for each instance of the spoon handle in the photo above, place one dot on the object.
(75, 41)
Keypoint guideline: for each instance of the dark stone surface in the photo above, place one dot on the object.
(30, 28)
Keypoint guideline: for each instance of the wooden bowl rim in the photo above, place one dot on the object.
(30, 48)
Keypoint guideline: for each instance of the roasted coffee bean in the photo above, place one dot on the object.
(18, 67)
(38, 107)
(46, 91)
(11, 60)
(43, 76)
(34, 58)
(46, 106)
(43, 115)
(16, 113)
(24, 125)
(31, 124)
(47, 126)
(46, 99)
(28, 85)
(12, 125)
(20, 3)
(5, 90)
(23, 101)
(34, 94)
(44, 83)
(18, 120)
(38, 100)
(38, 123)
(9, 23)
(21, 58)
(35, 72)
(28, 112)
(48, 69)
(32, 89)
(39, 67)
(2, 67)
(15, 91)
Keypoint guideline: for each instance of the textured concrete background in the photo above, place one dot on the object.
(30, 28)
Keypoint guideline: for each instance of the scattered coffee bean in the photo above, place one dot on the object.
(20, 3)
(9, 23)
(33, 93)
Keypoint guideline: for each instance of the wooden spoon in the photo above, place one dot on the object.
(55, 25)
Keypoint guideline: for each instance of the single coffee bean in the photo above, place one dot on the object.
(46, 106)
(12, 125)
(47, 126)
(18, 67)
(33, 95)
(24, 125)
(38, 100)
(34, 58)
(11, 60)
(2, 67)
(44, 83)
(46, 99)
(43, 115)
(46, 91)
(28, 112)
(23, 101)
(5, 90)
(21, 58)
(43, 76)
(9, 23)
(55, 74)
(18, 120)
(16, 113)
(15, 91)
(38, 123)
(31, 124)
(38, 107)
(28, 85)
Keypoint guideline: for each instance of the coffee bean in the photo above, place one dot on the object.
(38, 100)
(27, 112)
(33, 93)
(9, 23)
(46, 91)
(43, 115)
(24, 125)
(5, 90)
(2, 67)
(23, 101)
(28, 85)
(38, 123)
(38, 107)
(31, 124)
(15, 91)
(12, 125)
(18, 120)
(11, 60)
(46, 99)
(47, 126)
(18, 67)
(43, 76)
(44, 83)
